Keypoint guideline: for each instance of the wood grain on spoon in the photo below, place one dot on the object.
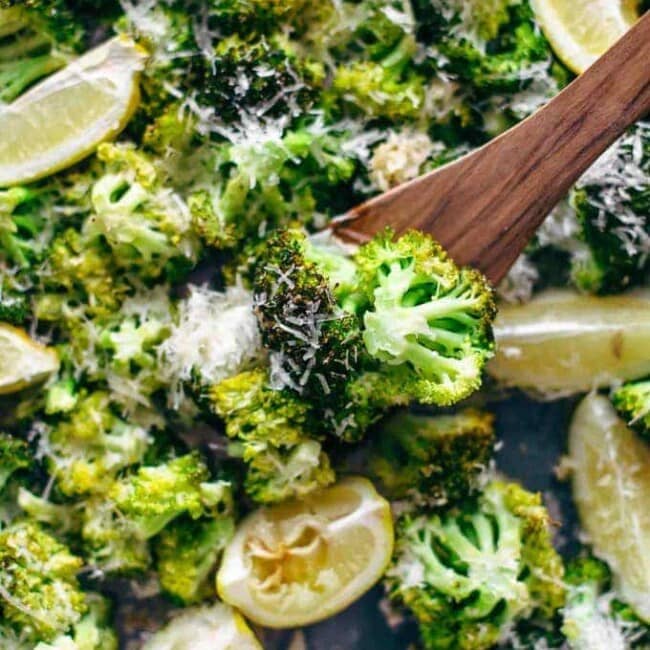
(485, 207)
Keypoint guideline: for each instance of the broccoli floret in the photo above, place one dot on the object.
(305, 304)
(154, 496)
(264, 77)
(275, 433)
(612, 203)
(279, 473)
(186, 556)
(593, 619)
(470, 573)
(14, 307)
(21, 222)
(437, 459)
(388, 88)
(86, 450)
(39, 592)
(36, 38)
(427, 315)
(61, 397)
(145, 224)
(632, 401)
(253, 16)
(269, 180)
(14, 457)
(63, 517)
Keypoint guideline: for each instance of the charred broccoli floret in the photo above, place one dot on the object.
(305, 304)
(470, 573)
(435, 459)
(14, 457)
(427, 316)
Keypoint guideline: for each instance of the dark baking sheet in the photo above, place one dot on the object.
(532, 438)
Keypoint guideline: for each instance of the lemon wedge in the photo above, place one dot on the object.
(62, 119)
(23, 361)
(213, 627)
(302, 561)
(580, 31)
(611, 487)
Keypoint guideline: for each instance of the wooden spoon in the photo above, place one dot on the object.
(485, 207)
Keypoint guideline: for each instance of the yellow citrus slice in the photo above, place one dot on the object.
(213, 627)
(582, 30)
(63, 119)
(23, 361)
(562, 342)
(611, 487)
(302, 561)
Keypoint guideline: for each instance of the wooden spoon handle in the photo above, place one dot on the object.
(485, 207)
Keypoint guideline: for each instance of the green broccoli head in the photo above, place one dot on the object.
(255, 412)
(187, 552)
(427, 315)
(37, 38)
(254, 16)
(39, 592)
(612, 203)
(153, 496)
(263, 77)
(437, 459)
(592, 619)
(91, 444)
(303, 312)
(632, 401)
(145, 224)
(14, 457)
(279, 473)
(275, 433)
(14, 307)
(470, 573)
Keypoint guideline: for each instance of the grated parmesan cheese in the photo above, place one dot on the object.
(216, 337)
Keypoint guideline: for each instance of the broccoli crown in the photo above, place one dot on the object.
(255, 412)
(632, 401)
(275, 435)
(315, 342)
(592, 619)
(14, 307)
(37, 38)
(437, 460)
(278, 473)
(264, 77)
(153, 496)
(612, 201)
(427, 315)
(14, 457)
(250, 16)
(468, 574)
(21, 222)
(187, 552)
(384, 86)
(91, 444)
(144, 223)
(39, 592)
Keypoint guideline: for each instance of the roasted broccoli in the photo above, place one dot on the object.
(632, 401)
(187, 552)
(14, 457)
(612, 202)
(36, 38)
(435, 460)
(428, 318)
(469, 573)
(39, 592)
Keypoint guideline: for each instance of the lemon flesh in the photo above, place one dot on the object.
(611, 488)
(23, 361)
(580, 31)
(302, 561)
(63, 119)
(562, 342)
(213, 627)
